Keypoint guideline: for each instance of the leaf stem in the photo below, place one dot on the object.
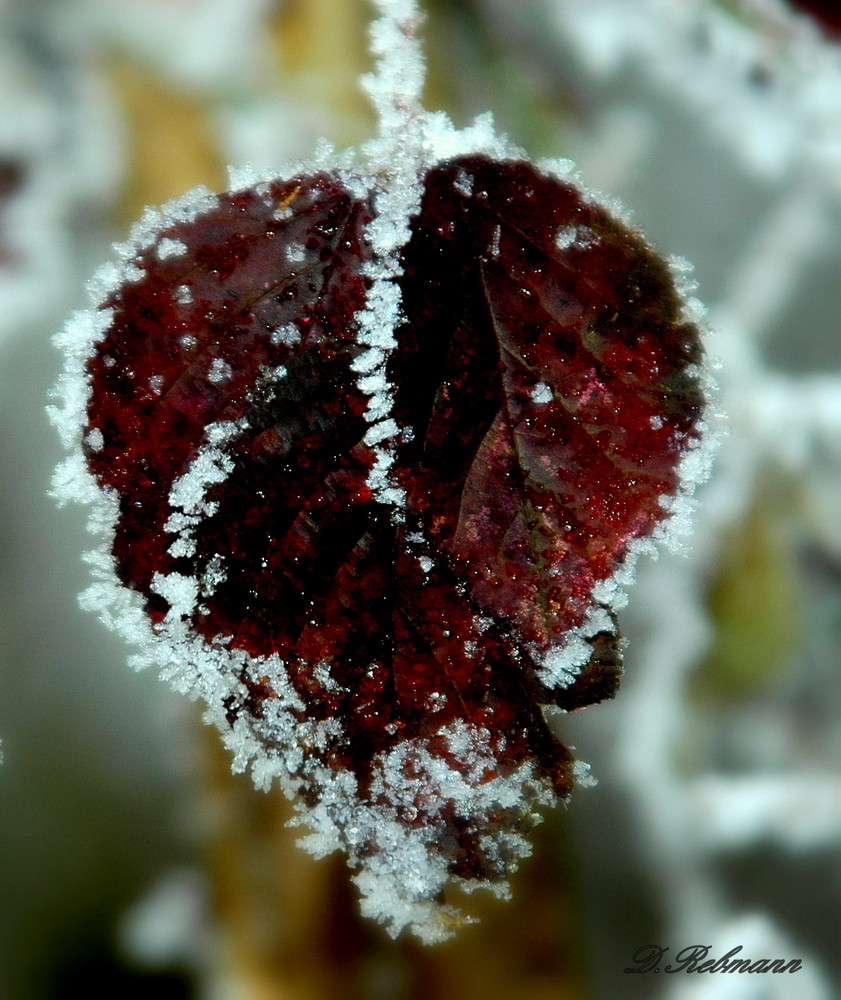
(396, 83)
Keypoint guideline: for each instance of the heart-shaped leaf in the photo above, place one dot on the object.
(380, 557)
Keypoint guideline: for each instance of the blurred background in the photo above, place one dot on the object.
(132, 863)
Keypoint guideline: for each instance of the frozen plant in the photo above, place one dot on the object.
(372, 449)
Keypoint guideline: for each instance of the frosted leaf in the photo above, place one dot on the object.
(372, 470)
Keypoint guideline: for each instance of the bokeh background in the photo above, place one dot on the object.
(131, 862)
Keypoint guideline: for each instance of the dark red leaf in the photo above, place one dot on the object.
(544, 389)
